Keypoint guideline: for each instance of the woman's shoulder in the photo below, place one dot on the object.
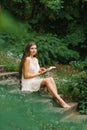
(27, 59)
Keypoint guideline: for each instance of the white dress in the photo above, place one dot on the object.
(32, 84)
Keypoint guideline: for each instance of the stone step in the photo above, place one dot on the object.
(63, 112)
(2, 68)
(9, 81)
(51, 104)
(66, 115)
(7, 75)
(75, 117)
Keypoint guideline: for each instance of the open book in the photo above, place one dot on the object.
(50, 68)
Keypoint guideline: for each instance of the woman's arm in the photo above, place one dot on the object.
(26, 73)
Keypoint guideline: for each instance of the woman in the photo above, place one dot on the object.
(31, 72)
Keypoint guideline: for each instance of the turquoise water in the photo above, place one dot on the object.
(30, 112)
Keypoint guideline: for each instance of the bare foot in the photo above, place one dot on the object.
(66, 106)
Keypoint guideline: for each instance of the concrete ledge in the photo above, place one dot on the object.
(63, 112)
(75, 117)
(12, 81)
(6, 75)
(48, 101)
(73, 108)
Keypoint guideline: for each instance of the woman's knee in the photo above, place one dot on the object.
(44, 82)
(49, 80)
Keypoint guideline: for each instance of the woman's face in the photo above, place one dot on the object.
(33, 50)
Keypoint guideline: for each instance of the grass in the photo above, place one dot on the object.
(10, 62)
(28, 112)
(23, 112)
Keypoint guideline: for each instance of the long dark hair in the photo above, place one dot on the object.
(25, 54)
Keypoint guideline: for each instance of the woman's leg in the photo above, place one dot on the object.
(53, 83)
(52, 90)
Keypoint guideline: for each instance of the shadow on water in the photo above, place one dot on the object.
(30, 112)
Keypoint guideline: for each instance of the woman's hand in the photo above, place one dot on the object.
(42, 70)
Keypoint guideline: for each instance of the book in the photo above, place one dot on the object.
(50, 68)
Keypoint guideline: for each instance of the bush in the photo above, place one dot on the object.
(74, 88)
(50, 49)
(11, 63)
(80, 65)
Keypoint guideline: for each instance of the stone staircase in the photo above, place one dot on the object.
(66, 115)
(6, 77)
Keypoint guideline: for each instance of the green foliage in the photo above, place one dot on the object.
(80, 65)
(83, 106)
(46, 43)
(68, 23)
(74, 87)
(11, 63)
(78, 87)
(55, 5)
(10, 25)
(66, 55)
(20, 1)
(76, 37)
